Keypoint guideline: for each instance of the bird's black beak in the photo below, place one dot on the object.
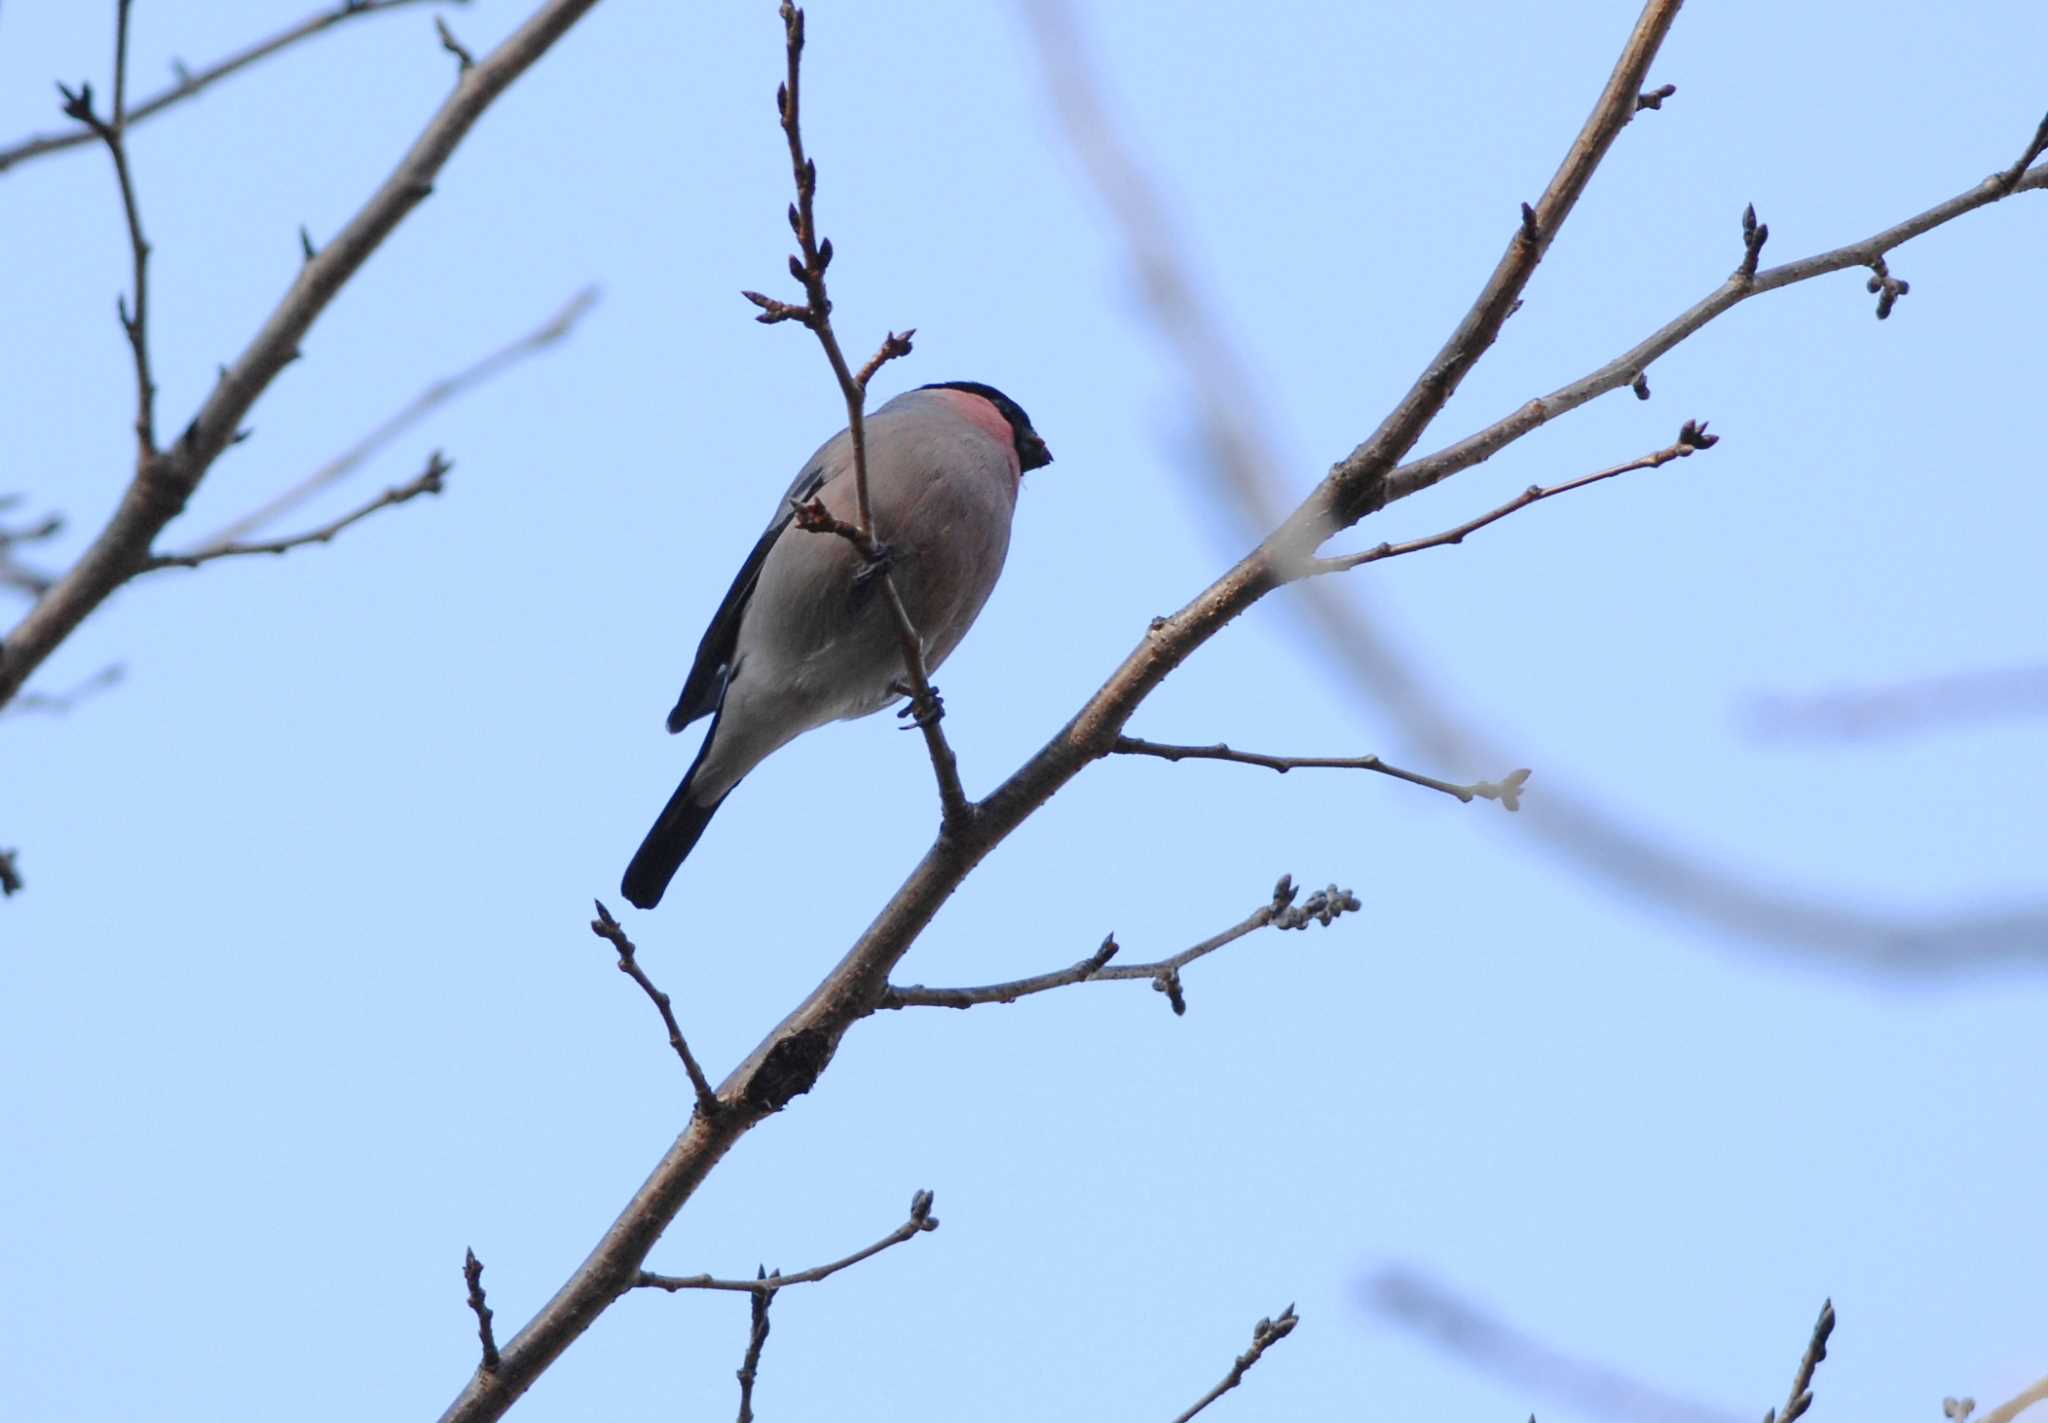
(1032, 453)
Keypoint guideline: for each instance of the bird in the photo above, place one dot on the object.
(800, 639)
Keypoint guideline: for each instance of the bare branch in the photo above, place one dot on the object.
(439, 393)
(808, 267)
(788, 1062)
(1625, 368)
(1654, 98)
(191, 82)
(165, 483)
(473, 1274)
(430, 480)
(1508, 790)
(1360, 483)
(1692, 436)
(1801, 1397)
(1243, 461)
(921, 1220)
(607, 928)
(114, 133)
(1321, 907)
(750, 1363)
(10, 874)
(1265, 1334)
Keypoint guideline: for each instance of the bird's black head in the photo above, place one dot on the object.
(1031, 450)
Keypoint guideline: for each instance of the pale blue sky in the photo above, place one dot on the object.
(300, 1001)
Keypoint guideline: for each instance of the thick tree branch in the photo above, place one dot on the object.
(191, 82)
(1243, 463)
(607, 928)
(430, 480)
(1358, 485)
(789, 1060)
(1507, 790)
(814, 255)
(921, 1220)
(1265, 1334)
(1281, 913)
(161, 488)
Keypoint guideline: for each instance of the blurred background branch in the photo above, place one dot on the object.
(1239, 458)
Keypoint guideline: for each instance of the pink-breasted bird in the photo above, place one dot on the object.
(801, 640)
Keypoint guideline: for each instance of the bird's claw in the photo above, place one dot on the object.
(877, 566)
(918, 712)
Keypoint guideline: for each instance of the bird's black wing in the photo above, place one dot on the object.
(705, 686)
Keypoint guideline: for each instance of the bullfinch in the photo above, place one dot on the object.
(800, 640)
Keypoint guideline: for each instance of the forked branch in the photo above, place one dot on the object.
(1281, 912)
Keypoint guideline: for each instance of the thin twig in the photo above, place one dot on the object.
(2036, 146)
(607, 928)
(1692, 437)
(439, 393)
(1321, 907)
(1265, 1334)
(431, 480)
(464, 60)
(32, 581)
(473, 1273)
(921, 1220)
(113, 132)
(1801, 1397)
(757, 1336)
(814, 255)
(1507, 790)
(191, 82)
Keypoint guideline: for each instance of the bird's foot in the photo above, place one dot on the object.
(918, 712)
(871, 569)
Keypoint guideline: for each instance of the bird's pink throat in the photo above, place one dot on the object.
(984, 415)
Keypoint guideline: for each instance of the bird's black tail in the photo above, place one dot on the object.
(661, 854)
